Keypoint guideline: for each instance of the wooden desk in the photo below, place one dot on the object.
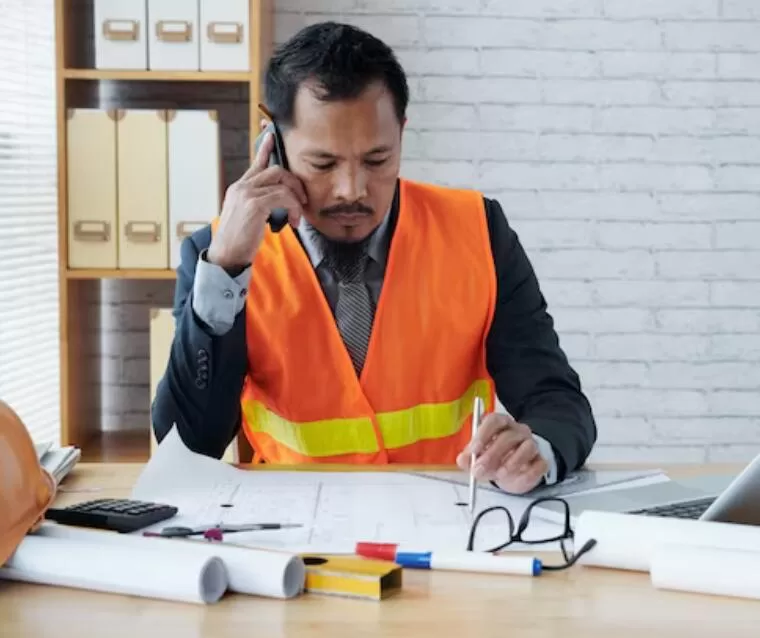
(585, 602)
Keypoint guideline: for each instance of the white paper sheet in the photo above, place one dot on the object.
(138, 570)
(581, 482)
(628, 541)
(336, 509)
(249, 571)
(706, 570)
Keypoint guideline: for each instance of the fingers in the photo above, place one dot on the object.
(261, 160)
(260, 174)
(522, 457)
(506, 453)
(489, 427)
(279, 196)
(463, 460)
(493, 457)
(524, 481)
(278, 175)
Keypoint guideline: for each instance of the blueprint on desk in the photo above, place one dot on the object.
(584, 480)
(336, 509)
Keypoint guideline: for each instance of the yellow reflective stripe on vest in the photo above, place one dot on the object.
(431, 420)
(329, 437)
(333, 437)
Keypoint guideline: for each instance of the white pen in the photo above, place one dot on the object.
(477, 414)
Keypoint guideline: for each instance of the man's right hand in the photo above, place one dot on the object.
(247, 206)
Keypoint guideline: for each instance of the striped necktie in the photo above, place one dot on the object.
(354, 311)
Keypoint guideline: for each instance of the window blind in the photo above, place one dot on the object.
(29, 337)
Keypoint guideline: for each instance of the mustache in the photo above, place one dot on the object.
(353, 208)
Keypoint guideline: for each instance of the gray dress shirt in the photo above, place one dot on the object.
(219, 297)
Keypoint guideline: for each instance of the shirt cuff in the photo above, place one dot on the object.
(547, 453)
(218, 297)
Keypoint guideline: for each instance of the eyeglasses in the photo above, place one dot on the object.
(522, 534)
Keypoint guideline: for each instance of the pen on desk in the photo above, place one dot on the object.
(477, 414)
(452, 561)
(182, 532)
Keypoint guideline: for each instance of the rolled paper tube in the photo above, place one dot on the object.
(119, 569)
(628, 541)
(250, 571)
(706, 570)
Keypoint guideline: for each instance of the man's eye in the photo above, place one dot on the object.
(379, 162)
(323, 167)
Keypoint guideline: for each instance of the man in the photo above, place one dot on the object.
(362, 332)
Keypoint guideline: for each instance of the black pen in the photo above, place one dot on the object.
(181, 532)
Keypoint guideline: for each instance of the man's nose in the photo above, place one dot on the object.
(350, 184)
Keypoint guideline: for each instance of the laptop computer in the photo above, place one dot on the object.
(728, 499)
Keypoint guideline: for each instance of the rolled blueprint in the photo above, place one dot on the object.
(132, 570)
(627, 541)
(249, 571)
(706, 570)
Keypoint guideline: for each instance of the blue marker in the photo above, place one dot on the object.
(454, 561)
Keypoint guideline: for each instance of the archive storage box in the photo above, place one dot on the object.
(225, 38)
(195, 179)
(142, 193)
(173, 35)
(91, 188)
(120, 34)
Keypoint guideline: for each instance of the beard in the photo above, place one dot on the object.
(341, 254)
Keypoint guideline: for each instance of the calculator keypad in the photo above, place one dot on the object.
(111, 513)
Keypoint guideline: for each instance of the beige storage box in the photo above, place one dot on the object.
(142, 180)
(91, 188)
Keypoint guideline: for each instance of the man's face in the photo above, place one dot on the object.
(347, 154)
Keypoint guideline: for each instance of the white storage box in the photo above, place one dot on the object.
(225, 37)
(173, 35)
(120, 34)
(195, 171)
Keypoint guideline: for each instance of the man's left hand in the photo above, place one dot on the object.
(506, 453)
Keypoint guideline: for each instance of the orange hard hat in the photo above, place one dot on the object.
(26, 488)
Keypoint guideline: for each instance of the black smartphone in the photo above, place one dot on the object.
(279, 216)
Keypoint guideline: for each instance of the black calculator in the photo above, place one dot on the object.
(118, 515)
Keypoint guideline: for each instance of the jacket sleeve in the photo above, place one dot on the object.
(533, 377)
(204, 376)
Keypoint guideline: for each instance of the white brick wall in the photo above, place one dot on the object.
(623, 140)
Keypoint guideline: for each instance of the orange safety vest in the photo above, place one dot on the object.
(302, 401)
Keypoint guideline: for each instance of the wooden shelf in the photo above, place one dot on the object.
(160, 76)
(116, 273)
(234, 96)
(128, 446)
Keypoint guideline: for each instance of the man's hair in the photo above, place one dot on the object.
(340, 59)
